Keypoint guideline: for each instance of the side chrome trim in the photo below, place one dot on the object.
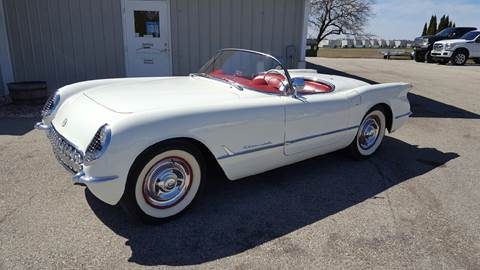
(287, 143)
(252, 150)
(41, 126)
(403, 115)
(320, 135)
(81, 178)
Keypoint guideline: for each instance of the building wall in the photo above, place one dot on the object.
(202, 27)
(65, 41)
(2, 91)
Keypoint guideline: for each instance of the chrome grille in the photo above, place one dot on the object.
(65, 152)
(438, 47)
(95, 145)
(48, 106)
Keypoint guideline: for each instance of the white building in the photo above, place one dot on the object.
(358, 43)
(337, 43)
(347, 43)
(366, 43)
(375, 43)
(383, 43)
(327, 43)
(400, 43)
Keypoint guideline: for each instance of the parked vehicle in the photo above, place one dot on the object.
(458, 51)
(146, 142)
(422, 46)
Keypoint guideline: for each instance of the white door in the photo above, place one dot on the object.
(147, 38)
(318, 123)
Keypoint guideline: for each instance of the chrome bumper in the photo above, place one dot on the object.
(41, 126)
(80, 177)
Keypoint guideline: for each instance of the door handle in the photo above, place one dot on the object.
(164, 50)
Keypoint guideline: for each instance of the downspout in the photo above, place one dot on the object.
(303, 42)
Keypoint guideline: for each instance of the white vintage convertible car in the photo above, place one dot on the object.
(145, 142)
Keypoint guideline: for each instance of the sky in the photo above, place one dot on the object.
(404, 19)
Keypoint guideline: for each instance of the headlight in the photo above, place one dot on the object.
(51, 105)
(425, 42)
(449, 46)
(98, 145)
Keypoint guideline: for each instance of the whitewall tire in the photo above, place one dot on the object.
(370, 134)
(164, 182)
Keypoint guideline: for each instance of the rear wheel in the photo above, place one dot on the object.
(459, 58)
(164, 181)
(370, 134)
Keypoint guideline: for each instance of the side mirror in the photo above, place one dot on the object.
(298, 84)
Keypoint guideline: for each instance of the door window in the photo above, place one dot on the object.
(147, 23)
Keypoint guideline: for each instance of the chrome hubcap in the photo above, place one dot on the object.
(369, 132)
(167, 182)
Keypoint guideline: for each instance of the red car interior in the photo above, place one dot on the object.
(312, 87)
(271, 83)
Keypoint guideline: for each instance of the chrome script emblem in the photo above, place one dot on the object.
(64, 122)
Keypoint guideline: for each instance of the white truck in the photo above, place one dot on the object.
(458, 51)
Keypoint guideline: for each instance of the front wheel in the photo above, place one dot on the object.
(419, 58)
(428, 57)
(459, 58)
(370, 134)
(163, 182)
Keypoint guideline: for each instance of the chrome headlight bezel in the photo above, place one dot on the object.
(51, 105)
(98, 145)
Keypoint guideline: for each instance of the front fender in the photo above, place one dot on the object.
(131, 135)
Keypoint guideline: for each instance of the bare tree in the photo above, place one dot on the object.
(335, 17)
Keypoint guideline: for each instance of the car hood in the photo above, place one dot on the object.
(431, 39)
(142, 94)
(452, 41)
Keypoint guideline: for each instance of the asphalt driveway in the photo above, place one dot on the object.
(415, 204)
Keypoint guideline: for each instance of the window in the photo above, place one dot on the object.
(471, 35)
(147, 23)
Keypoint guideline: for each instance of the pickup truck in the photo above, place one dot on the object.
(423, 46)
(458, 51)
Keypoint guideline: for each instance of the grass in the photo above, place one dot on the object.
(358, 53)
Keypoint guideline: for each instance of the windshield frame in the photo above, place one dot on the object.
(289, 90)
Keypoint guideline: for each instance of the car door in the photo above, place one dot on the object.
(318, 122)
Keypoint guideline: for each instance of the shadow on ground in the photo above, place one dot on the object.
(421, 106)
(237, 216)
(16, 126)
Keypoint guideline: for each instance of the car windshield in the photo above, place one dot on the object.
(471, 35)
(247, 69)
(445, 32)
